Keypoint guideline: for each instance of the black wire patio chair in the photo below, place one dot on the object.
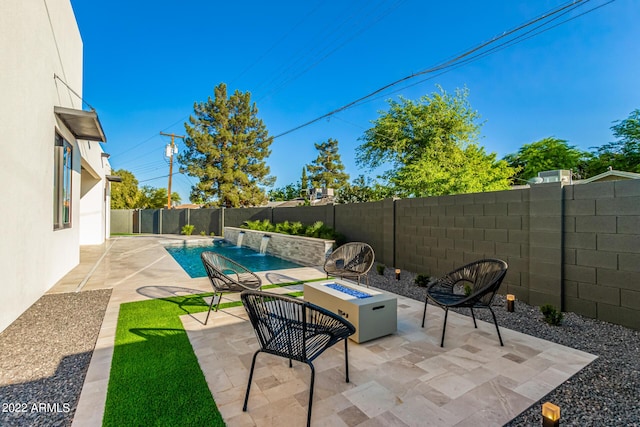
(226, 275)
(473, 285)
(351, 260)
(294, 329)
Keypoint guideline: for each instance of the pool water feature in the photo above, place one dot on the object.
(189, 257)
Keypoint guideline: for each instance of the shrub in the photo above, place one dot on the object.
(202, 233)
(551, 315)
(187, 229)
(423, 280)
(258, 225)
(296, 228)
(380, 268)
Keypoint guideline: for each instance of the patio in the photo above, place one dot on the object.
(401, 379)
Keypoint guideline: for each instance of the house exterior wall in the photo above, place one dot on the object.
(37, 40)
(94, 194)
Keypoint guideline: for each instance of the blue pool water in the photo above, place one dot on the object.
(189, 258)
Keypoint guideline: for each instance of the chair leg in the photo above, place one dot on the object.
(290, 364)
(496, 323)
(346, 358)
(444, 327)
(219, 300)
(246, 396)
(213, 299)
(313, 375)
(424, 314)
(474, 318)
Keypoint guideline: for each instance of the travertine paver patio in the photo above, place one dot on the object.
(401, 379)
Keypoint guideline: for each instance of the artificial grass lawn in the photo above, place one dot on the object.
(155, 377)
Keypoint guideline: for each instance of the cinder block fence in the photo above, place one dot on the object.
(576, 247)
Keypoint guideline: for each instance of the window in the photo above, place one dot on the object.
(62, 183)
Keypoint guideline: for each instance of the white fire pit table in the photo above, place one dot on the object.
(374, 313)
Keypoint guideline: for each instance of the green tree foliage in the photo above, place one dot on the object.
(124, 195)
(227, 145)
(304, 179)
(155, 198)
(431, 147)
(623, 154)
(327, 170)
(363, 189)
(282, 194)
(127, 195)
(544, 155)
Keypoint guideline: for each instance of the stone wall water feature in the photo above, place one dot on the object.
(308, 251)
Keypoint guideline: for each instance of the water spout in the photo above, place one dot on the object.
(263, 244)
(240, 238)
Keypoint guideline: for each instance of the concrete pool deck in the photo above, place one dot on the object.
(403, 379)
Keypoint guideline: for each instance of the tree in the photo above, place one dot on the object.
(124, 195)
(155, 198)
(304, 180)
(544, 155)
(363, 189)
(282, 194)
(327, 169)
(430, 147)
(623, 154)
(226, 148)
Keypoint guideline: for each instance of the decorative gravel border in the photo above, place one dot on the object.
(604, 393)
(44, 357)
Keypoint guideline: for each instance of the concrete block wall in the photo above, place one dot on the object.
(602, 251)
(545, 245)
(371, 223)
(437, 234)
(235, 217)
(122, 221)
(307, 215)
(207, 220)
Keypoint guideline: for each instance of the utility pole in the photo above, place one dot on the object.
(170, 150)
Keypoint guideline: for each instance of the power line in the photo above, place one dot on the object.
(337, 37)
(334, 50)
(454, 62)
(505, 45)
(150, 138)
(273, 46)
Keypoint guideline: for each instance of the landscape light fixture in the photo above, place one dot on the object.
(511, 299)
(397, 274)
(550, 415)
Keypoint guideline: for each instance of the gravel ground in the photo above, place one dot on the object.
(605, 393)
(45, 354)
(44, 357)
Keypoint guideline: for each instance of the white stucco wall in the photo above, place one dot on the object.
(93, 214)
(37, 40)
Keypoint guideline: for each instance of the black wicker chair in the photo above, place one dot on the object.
(227, 275)
(351, 260)
(473, 285)
(294, 329)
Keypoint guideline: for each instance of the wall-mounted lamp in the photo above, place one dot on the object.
(550, 415)
(511, 299)
(397, 274)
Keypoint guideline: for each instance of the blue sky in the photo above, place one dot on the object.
(147, 62)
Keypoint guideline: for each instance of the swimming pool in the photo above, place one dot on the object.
(189, 258)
